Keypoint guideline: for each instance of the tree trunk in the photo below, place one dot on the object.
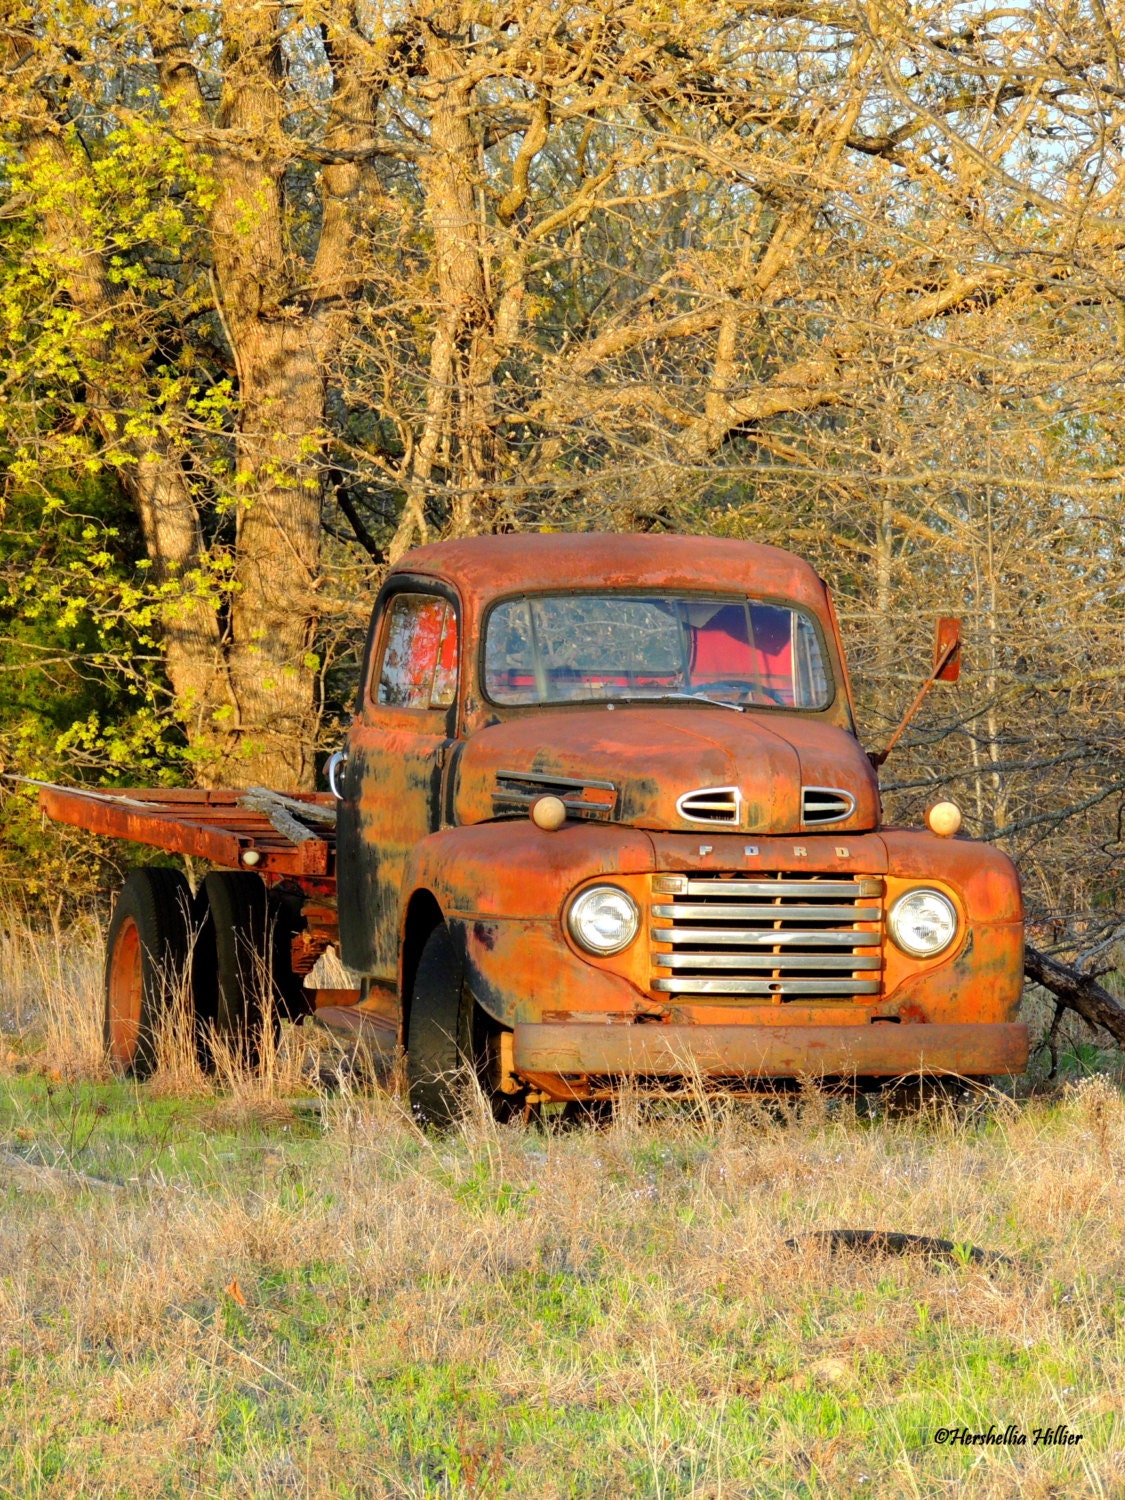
(280, 333)
(280, 433)
(460, 404)
(273, 610)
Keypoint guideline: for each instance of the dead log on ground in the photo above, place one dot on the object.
(1077, 992)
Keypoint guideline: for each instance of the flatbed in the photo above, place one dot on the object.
(255, 829)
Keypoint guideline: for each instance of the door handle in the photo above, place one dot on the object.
(335, 761)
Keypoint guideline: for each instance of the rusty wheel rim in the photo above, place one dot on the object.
(126, 978)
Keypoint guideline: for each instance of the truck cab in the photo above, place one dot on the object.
(603, 814)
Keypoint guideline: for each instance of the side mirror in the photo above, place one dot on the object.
(947, 650)
(947, 668)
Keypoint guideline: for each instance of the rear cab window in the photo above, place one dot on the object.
(420, 654)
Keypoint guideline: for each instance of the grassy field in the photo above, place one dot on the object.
(228, 1292)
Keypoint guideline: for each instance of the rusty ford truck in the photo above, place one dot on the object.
(601, 814)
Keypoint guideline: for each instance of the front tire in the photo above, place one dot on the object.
(147, 950)
(448, 1037)
(924, 1093)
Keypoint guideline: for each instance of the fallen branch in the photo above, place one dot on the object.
(36, 1176)
(280, 811)
(1076, 992)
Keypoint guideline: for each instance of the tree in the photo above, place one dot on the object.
(184, 310)
(316, 283)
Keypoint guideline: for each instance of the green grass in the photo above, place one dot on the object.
(123, 1132)
(508, 1312)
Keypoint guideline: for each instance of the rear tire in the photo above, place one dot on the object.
(147, 950)
(447, 1039)
(244, 972)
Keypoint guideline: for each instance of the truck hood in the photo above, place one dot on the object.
(689, 767)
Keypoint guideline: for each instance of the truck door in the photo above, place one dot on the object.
(392, 780)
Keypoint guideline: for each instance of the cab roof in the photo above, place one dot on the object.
(488, 566)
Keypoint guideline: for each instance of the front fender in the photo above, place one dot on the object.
(981, 977)
(501, 888)
(515, 870)
(525, 970)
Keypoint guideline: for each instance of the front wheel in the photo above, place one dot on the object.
(921, 1093)
(449, 1039)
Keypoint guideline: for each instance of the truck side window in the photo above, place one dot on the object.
(419, 667)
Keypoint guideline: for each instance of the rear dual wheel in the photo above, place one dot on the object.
(244, 982)
(146, 966)
(222, 958)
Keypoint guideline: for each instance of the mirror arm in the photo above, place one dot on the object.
(877, 757)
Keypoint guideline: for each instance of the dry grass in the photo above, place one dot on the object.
(51, 1021)
(50, 994)
(278, 1302)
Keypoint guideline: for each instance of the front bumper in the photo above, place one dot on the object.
(748, 1052)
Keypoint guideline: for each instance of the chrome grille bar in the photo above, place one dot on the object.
(754, 937)
(845, 961)
(745, 913)
(808, 987)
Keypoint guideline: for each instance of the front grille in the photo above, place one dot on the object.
(773, 936)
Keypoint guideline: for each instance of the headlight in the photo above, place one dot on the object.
(603, 919)
(923, 923)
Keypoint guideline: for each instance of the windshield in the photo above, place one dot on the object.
(567, 648)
